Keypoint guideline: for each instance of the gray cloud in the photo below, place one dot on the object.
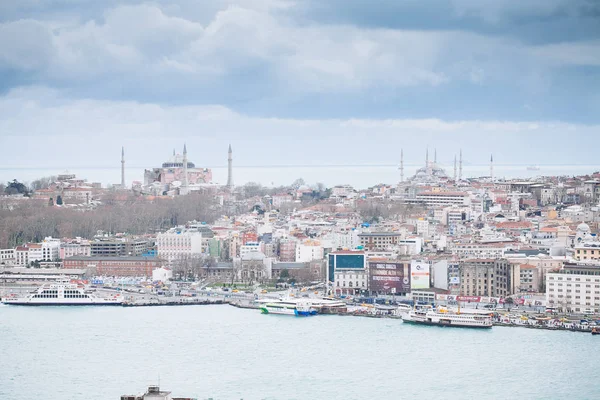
(273, 74)
(86, 132)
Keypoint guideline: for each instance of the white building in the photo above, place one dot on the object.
(351, 282)
(251, 250)
(434, 199)
(7, 256)
(575, 288)
(179, 243)
(411, 245)
(309, 250)
(162, 274)
(48, 250)
(345, 240)
(343, 191)
(478, 250)
(423, 228)
(455, 215)
(22, 256)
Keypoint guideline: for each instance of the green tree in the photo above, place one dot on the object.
(285, 274)
(59, 200)
(16, 187)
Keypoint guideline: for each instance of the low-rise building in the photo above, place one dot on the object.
(7, 257)
(115, 266)
(587, 251)
(378, 240)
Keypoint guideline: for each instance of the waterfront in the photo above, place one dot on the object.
(228, 353)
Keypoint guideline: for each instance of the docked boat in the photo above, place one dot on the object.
(595, 331)
(445, 318)
(63, 294)
(288, 308)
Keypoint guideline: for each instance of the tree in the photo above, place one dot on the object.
(297, 184)
(285, 274)
(252, 189)
(16, 187)
(59, 200)
(43, 183)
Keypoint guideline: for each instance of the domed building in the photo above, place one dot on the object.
(583, 232)
(176, 173)
(431, 173)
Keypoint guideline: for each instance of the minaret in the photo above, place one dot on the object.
(492, 167)
(401, 165)
(455, 168)
(229, 168)
(435, 157)
(122, 167)
(460, 166)
(185, 167)
(427, 161)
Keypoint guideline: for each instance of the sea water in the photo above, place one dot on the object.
(359, 176)
(221, 352)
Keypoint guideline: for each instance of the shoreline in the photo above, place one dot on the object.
(240, 305)
(494, 323)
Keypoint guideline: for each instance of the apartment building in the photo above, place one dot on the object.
(486, 277)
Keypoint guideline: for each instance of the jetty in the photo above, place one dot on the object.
(158, 302)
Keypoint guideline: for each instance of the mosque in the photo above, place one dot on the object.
(431, 173)
(178, 173)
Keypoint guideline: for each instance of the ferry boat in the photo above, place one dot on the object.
(445, 318)
(63, 294)
(533, 168)
(288, 308)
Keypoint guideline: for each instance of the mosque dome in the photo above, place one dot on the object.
(433, 173)
(176, 161)
(583, 227)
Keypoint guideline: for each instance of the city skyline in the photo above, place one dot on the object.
(269, 76)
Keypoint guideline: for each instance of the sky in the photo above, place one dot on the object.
(307, 82)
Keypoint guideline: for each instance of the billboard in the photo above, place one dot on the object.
(419, 275)
(390, 278)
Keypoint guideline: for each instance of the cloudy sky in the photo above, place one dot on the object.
(298, 82)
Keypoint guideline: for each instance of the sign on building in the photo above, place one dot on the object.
(419, 275)
(390, 278)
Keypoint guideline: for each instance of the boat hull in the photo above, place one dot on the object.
(17, 303)
(266, 310)
(305, 313)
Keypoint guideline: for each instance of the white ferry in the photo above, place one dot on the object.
(288, 308)
(63, 294)
(445, 318)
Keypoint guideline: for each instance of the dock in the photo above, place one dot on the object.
(162, 302)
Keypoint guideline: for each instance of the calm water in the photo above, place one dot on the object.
(359, 176)
(228, 353)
